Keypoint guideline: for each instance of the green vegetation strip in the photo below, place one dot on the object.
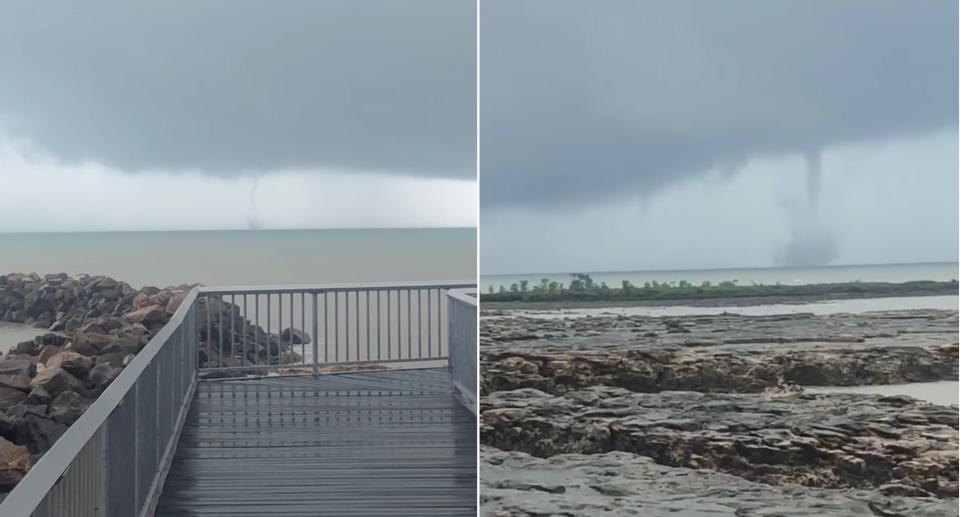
(583, 288)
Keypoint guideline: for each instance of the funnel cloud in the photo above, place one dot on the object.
(654, 110)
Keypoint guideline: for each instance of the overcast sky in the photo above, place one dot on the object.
(672, 134)
(228, 114)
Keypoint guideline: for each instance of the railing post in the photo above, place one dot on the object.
(316, 339)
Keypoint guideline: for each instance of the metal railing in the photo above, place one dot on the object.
(462, 311)
(112, 461)
(311, 327)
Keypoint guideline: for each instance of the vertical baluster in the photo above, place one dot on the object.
(356, 304)
(440, 325)
(233, 308)
(367, 296)
(303, 328)
(209, 331)
(256, 330)
(316, 337)
(420, 322)
(336, 326)
(346, 323)
(279, 324)
(220, 331)
(326, 328)
(429, 332)
(269, 343)
(409, 327)
(243, 326)
(389, 331)
(379, 325)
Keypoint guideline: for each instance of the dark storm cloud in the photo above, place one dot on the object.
(231, 86)
(582, 100)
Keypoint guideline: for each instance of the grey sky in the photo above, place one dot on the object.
(228, 89)
(590, 109)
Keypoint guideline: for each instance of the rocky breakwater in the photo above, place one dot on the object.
(95, 326)
(228, 340)
(706, 415)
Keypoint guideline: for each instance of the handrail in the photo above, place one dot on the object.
(319, 288)
(27, 496)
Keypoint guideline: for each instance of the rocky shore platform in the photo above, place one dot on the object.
(93, 327)
(706, 415)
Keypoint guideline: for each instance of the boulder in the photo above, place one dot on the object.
(52, 338)
(67, 407)
(103, 374)
(77, 364)
(56, 381)
(115, 359)
(38, 432)
(10, 397)
(295, 336)
(149, 315)
(126, 344)
(14, 463)
(90, 343)
(24, 347)
(16, 381)
(38, 396)
(47, 352)
(17, 365)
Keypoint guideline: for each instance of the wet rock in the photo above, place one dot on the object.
(295, 336)
(10, 397)
(725, 353)
(76, 364)
(47, 352)
(14, 463)
(16, 381)
(24, 347)
(38, 433)
(39, 396)
(51, 339)
(792, 439)
(56, 381)
(102, 375)
(620, 483)
(90, 343)
(17, 366)
(67, 407)
(148, 315)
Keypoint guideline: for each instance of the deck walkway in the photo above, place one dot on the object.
(372, 443)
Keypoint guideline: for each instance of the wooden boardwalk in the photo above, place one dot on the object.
(372, 443)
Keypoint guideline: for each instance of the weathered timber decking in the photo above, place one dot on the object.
(371, 443)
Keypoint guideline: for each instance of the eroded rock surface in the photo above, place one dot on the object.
(831, 441)
(726, 353)
(704, 415)
(619, 483)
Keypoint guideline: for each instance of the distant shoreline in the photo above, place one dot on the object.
(709, 296)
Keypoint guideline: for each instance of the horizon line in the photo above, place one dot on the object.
(610, 272)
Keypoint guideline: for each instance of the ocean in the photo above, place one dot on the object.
(941, 271)
(246, 257)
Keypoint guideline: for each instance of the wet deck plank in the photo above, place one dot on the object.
(372, 443)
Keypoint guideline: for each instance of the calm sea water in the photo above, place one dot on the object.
(229, 258)
(249, 257)
(787, 276)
